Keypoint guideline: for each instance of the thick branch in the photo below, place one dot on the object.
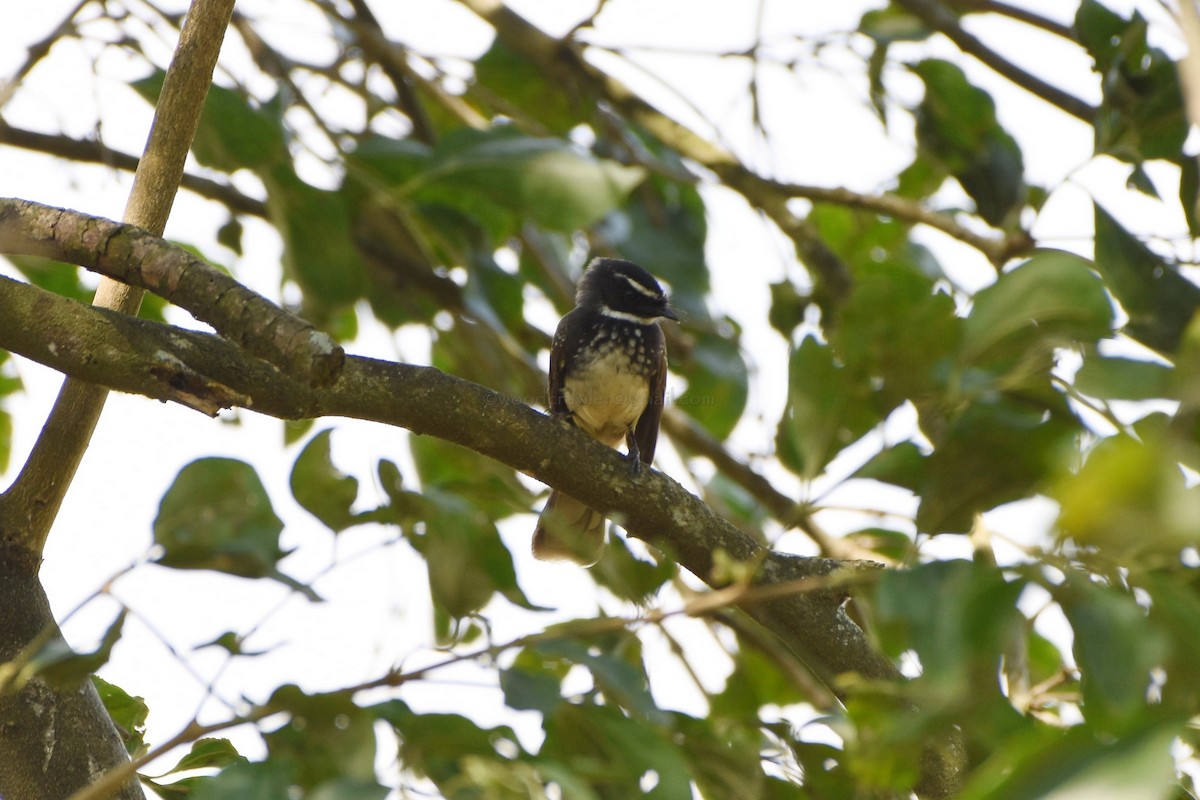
(941, 18)
(153, 359)
(137, 258)
(32, 502)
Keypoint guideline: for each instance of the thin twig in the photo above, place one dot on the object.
(942, 19)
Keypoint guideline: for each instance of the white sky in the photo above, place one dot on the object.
(378, 611)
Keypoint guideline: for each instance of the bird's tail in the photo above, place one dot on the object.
(568, 530)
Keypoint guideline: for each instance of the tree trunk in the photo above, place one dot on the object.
(52, 741)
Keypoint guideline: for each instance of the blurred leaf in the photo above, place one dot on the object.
(1078, 765)
(488, 485)
(1112, 378)
(231, 643)
(527, 88)
(901, 465)
(663, 227)
(64, 668)
(296, 429)
(1160, 302)
(327, 736)
(502, 173)
(629, 577)
(893, 24)
(756, 681)
(993, 453)
(959, 616)
(232, 133)
(788, 307)
(1141, 115)
(896, 327)
(1115, 648)
(956, 124)
(208, 753)
(528, 688)
(319, 251)
(896, 545)
(128, 713)
(609, 750)
(249, 780)
(1053, 297)
(621, 677)
(1129, 499)
(53, 276)
(723, 759)
(465, 557)
(718, 384)
(216, 515)
(348, 789)
(320, 488)
(438, 746)
(828, 409)
(6, 439)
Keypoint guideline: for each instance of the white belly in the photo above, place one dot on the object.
(606, 402)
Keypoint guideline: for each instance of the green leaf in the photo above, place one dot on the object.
(893, 24)
(216, 515)
(266, 780)
(1141, 115)
(1078, 765)
(327, 737)
(501, 172)
(1124, 378)
(232, 134)
(622, 681)
(128, 713)
(488, 485)
(718, 384)
(1115, 648)
(465, 557)
(438, 745)
(53, 276)
(756, 681)
(319, 251)
(208, 753)
(348, 789)
(897, 327)
(6, 434)
(629, 577)
(901, 465)
(527, 687)
(995, 452)
(64, 668)
(957, 125)
(663, 227)
(320, 488)
(1050, 299)
(1159, 301)
(959, 616)
(1130, 499)
(521, 85)
(609, 750)
(828, 409)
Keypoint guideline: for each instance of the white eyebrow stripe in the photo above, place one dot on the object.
(612, 313)
(648, 292)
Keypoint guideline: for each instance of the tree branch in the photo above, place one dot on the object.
(942, 19)
(562, 63)
(96, 152)
(137, 258)
(38, 492)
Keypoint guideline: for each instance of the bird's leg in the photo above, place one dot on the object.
(635, 455)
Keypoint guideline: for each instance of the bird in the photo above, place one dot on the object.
(608, 376)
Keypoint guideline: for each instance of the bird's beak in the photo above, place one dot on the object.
(669, 313)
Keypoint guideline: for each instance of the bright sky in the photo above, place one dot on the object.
(821, 133)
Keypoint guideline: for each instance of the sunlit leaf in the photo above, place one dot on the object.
(327, 736)
(128, 712)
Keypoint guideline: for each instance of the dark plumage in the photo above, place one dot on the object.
(608, 374)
